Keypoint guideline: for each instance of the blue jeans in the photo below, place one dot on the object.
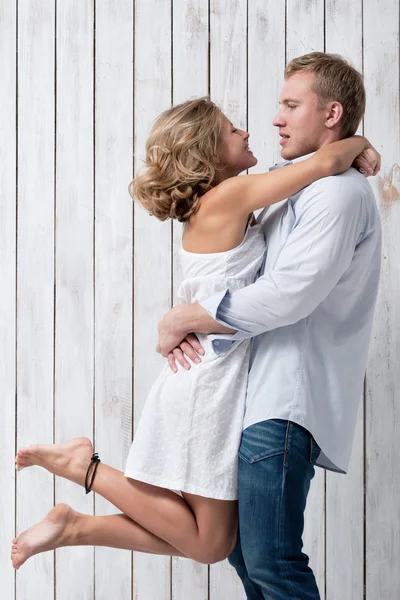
(276, 465)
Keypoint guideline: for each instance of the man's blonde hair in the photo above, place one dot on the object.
(334, 80)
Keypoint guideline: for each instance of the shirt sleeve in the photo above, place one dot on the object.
(319, 249)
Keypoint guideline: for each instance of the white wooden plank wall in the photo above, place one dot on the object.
(35, 272)
(382, 424)
(228, 74)
(8, 273)
(74, 312)
(305, 33)
(85, 275)
(152, 243)
(113, 278)
(190, 28)
(345, 495)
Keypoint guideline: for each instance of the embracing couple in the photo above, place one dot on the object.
(266, 349)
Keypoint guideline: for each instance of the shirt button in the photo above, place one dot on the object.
(216, 343)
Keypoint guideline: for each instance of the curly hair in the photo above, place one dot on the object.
(334, 79)
(181, 160)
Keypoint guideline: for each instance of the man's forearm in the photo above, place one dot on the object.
(193, 318)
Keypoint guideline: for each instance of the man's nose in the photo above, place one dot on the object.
(246, 135)
(279, 121)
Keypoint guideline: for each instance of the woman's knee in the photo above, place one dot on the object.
(210, 556)
(214, 551)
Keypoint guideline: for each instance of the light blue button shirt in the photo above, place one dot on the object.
(310, 312)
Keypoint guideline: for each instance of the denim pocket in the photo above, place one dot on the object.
(264, 440)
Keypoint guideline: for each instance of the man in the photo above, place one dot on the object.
(310, 314)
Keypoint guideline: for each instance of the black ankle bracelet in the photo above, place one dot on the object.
(92, 468)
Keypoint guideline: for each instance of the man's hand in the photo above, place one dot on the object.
(189, 347)
(171, 331)
(175, 337)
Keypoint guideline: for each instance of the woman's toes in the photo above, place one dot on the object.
(22, 460)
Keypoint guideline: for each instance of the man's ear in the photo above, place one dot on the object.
(334, 114)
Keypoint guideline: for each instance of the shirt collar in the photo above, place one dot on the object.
(290, 162)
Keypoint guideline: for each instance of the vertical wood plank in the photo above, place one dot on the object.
(266, 26)
(8, 224)
(228, 88)
(190, 79)
(228, 58)
(305, 33)
(152, 246)
(345, 494)
(35, 279)
(113, 267)
(74, 324)
(305, 27)
(190, 49)
(381, 125)
(33, 303)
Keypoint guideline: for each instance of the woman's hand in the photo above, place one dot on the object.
(368, 162)
(337, 157)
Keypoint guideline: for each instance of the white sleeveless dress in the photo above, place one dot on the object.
(189, 432)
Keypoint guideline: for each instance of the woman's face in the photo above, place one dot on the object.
(234, 155)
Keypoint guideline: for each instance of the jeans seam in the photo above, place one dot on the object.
(286, 450)
(284, 571)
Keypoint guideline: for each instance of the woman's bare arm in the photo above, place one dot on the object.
(243, 195)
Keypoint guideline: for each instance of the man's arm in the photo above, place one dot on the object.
(174, 330)
(316, 254)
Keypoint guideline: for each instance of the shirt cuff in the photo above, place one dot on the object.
(221, 342)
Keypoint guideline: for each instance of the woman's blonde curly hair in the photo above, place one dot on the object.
(181, 160)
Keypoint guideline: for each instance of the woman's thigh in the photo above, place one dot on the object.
(217, 522)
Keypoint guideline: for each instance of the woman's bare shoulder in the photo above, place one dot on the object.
(213, 228)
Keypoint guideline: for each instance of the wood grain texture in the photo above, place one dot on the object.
(381, 69)
(228, 60)
(8, 270)
(74, 324)
(305, 27)
(152, 246)
(266, 65)
(228, 88)
(345, 494)
(35, 279)
(86, 275)
(113, 267)
(305, 33)
(190, 79)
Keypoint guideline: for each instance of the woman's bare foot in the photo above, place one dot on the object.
(56, 530)
(69, 460)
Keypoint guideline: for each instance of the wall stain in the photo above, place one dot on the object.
(195, 24)
(262, 24)
(388, 190)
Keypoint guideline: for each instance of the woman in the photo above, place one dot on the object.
(189, 434)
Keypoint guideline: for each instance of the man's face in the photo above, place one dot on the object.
(301, 121)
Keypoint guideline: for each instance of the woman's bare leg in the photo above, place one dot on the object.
(200, 528)
(63, 526)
